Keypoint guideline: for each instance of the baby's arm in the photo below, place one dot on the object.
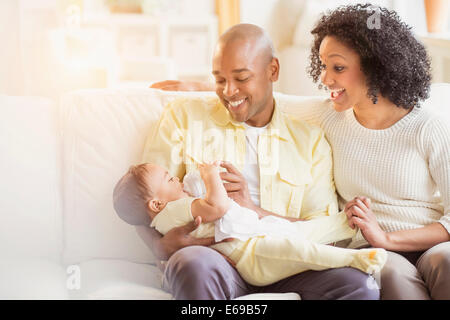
(216, 202)
(216, 195)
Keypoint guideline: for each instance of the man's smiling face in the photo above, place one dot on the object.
(244, 76)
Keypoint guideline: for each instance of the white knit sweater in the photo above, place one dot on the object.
(404, 170)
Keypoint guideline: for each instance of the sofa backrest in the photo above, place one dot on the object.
(104, 132)
(30, 189)
(439, 100)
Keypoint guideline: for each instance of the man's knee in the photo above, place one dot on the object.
(190, 265)
(196, 272)
(340, 284)
(358, 285)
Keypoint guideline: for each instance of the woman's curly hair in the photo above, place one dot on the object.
(395, 63)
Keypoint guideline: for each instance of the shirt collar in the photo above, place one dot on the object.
(276, 127)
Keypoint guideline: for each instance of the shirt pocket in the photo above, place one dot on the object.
(292, 182)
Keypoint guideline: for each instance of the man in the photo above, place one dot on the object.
(275, 165)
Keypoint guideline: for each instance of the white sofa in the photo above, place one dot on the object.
(59, 235)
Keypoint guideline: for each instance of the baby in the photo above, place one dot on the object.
(277, 248)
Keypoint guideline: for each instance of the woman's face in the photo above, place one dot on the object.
(342, 75)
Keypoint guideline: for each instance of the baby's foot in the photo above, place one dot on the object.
(370, 260)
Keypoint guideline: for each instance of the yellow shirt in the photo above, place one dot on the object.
(294, 157)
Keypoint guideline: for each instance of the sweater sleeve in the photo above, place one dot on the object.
(437, 145)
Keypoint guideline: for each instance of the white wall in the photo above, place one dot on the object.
(257, 11)
(10, 62)
(23, 27)
(412, 13)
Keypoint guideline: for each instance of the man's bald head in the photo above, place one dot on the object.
(250, 35)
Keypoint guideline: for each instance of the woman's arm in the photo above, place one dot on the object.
(420, 239)
(436, 144)
(360, 214)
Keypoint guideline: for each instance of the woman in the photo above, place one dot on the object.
(385, 147)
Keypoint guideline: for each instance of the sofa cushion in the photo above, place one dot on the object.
(122, 280)
(30, 213)
(118, 279)
(271, 296)
(28, 278)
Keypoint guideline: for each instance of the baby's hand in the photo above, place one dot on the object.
(207, 169)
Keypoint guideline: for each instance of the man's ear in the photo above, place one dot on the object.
(274, 68)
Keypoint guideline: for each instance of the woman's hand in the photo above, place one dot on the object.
(236, 186)
(359, 214)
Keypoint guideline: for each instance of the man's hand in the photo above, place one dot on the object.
(177, 85)
(237, 187)
(178, 238)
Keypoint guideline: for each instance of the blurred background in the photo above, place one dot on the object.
(53, 46)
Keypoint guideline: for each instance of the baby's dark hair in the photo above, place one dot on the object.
(394, 62)
(139, 172)
(131, 195)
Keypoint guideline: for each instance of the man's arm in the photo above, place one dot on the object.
(177, 238)
(151, 238)
(176, 85)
